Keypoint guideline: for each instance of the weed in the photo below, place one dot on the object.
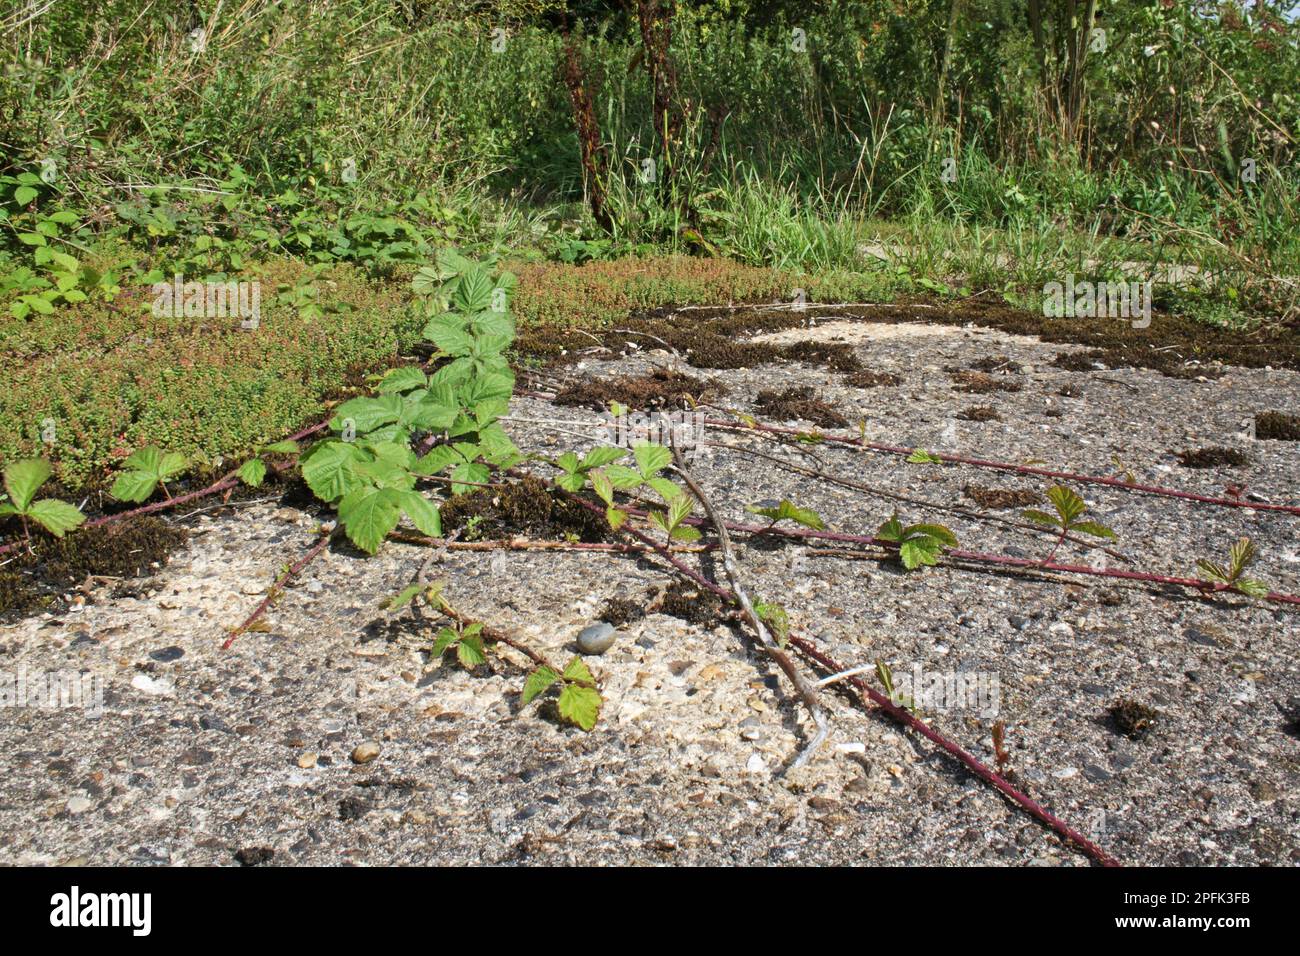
(1070, 508)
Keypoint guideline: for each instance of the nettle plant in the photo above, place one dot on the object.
(368, 469)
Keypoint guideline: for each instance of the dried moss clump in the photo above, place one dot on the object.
(660, 389)
(869, 379)
(525, 507)
(981, 413)
(1212, 458)
(681, 600)
(1277, 426)
(979, 383)
(1132, 719)
(799, 402)
(1002, 497)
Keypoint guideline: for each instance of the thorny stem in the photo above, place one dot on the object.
(277, 588)
(902, 716)
(907, 499)
(911, 721)
(807, 692)
(1009, 466)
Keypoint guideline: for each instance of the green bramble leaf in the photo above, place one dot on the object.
(23, 478)
(538, 682)
(580, 705)
(56, 517)
(252, 472)
(787, 511)
(922, 457)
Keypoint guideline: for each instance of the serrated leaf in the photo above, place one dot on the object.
(367, 414)
(1093, 528)
(1213, 571)
(423, 513)
(444, 639)
(577, 670)
(602, 486)
(651, 458)
(404, 596)
(922, 457)
(1241, 555)
(538, 682)
(891, 530)
(402, 380)
(937, 531)
(1041, 517)
(1068, 504)
(685, 532)
(56, 517)
(623, 477)
(252, 472)
(601, 456)
(465, 477)
(438, 459)
(470, 650)
(788, 511)
(474, 291)
(329, 469)
(615, 517)
(23, 478)
(368, 515)
(918, 551)
(133, 486)
(282, 448)
(1251, 587)
(580, 705)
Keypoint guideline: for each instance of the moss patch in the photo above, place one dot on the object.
(1002, 497)
(799, 403)
(528, 506)
(660, 389)
(1277, 426)
(1213, 458)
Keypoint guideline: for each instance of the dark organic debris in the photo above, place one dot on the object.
(254, 855)
(659, 389)
(621, 611)
(979, 383)
(1212, 458)
(528, 506)
(1277, 426)
(870, 379)
(1002, 497)
(125, 550)
(682, 600)
(993, 364)
(353, 808)
(1132, 719)
(799, 402)
(981, 413)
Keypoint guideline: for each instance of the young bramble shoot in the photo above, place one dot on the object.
(467, 641)
(776, 618)
(253, 471)
(788, 511)
(22, 479)
(920, 456)
(579, 701)
(1070, 508)
(918, 544)
(146, 470)
(1240, 556)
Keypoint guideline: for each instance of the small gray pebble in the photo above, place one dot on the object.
(596, 638)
